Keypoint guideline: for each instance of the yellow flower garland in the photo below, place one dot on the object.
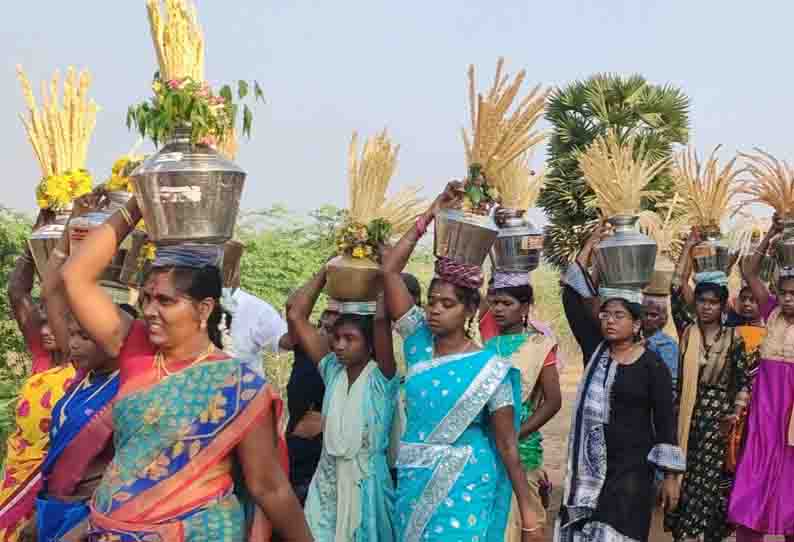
(57, 192)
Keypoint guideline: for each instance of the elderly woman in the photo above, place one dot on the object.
(622, 428)
(195, 431)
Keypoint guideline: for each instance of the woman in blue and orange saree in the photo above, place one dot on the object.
(197, 449)
(351, 496)
(458, 461)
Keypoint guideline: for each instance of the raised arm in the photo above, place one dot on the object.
(398, 299)
(52, 290)
(299, 309)
(752, 272)
(384, 345)
(91, 305)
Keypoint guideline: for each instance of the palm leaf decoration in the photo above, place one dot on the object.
(771, 182)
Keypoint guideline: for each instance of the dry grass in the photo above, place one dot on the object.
(518, 184)
(178, 39)
(706, 191)
(771, 183)
(497, 137)
(61, 130)
(618, 172)
(369, 174)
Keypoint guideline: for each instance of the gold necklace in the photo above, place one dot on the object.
(161, 364)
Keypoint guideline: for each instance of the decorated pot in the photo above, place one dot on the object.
(188, 193)
(353, 279)
(518, 245)
(465, 238)
(627, 258)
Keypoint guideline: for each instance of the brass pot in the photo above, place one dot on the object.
(353, 279)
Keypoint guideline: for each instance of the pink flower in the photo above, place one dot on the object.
(177, 84)
(217, 100)
(209, 140)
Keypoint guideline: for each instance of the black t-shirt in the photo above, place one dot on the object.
(305, 392)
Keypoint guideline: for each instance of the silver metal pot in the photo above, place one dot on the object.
(80, 226)
(712, 254)
(45, 238)
(133, 270)
(464, 237)
(784, 248)
(518, 245)
(626, 259)
(188, 193)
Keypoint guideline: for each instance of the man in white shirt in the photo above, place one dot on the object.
(256, 327)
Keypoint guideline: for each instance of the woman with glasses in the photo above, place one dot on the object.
(712, 392)
(762, 501)
(622, 428)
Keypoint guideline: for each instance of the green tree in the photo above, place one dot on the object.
(578, 113)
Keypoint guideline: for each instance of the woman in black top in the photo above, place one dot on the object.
(622, 428)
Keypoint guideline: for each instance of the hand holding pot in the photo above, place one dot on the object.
(450, 198)
(94, 200)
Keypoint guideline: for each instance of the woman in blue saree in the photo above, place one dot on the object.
(458, 462)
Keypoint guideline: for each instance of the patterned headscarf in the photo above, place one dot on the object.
(507, 279)
(193, 255)
(465, 276)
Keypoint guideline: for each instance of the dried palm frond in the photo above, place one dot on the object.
(60, 132)
(667, 231)
(178, 39)
(748, 232)
(401, 210)
(228, 146)
(618, 174)
(771, 182)
(496, 139)
(518, 184)
(706, 190)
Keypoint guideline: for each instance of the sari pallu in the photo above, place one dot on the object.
(80, 449)
(27, 446)
(452, 484)
(172, 477)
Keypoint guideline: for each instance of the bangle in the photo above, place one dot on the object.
(125, 214)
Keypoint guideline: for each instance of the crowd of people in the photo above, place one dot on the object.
(156, 422)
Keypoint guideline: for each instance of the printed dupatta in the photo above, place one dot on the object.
(177, 433)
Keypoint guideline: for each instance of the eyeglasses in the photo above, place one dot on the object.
(616, 316)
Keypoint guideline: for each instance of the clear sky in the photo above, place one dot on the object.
(329, 68)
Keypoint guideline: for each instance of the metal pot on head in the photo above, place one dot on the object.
(353, 279)
(133, 269)
(784, 248)
(519, 243)
(712, 253)
(188, 193)
(80, 226)
(464, 237)
(232, 254)
(45, 238)
(626, 259)
(662, 276)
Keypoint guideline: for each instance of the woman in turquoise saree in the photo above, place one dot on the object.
(458, 461)
(197, 449)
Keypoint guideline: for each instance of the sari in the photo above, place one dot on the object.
(27, 446)
(351, 496)
(80, 438)
(174, 477)
(530, 353)
(452, 484)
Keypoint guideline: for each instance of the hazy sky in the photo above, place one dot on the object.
(329, 68)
